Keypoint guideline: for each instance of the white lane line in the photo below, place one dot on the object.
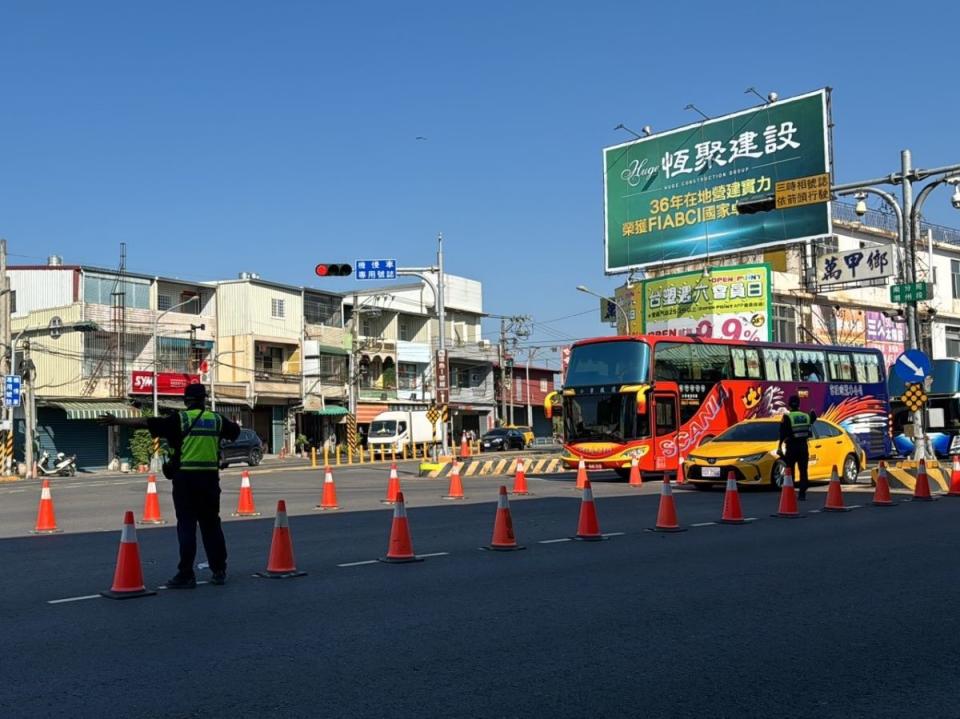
(554, 541)
(703, 524)
(358, 564)
(73, 599)
(165, 587)
(613, 534)
(433, 554)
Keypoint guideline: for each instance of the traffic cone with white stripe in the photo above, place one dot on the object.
(503, 537)
(834, 501)
(955, 478)
(520, 480)
(393, 486)
(667, 513)
(455, 491)
(46, 517)
(128, 575)
(635, 479)
(280, 564)
(921, 490)
(788, 498)
(681, 478)
(881, 496)
(151, 504)
(588, 527)
(245, 505)
(464, 445)
(732, 512)
(581, 474)
(400, 548)
(328, 501)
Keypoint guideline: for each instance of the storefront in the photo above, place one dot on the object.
(71, 427)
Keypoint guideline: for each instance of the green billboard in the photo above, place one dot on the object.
(673, 196)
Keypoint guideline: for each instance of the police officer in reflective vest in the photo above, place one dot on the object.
(795, 430)
(194, 436)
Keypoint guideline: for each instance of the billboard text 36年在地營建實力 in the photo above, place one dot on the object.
(673, 196)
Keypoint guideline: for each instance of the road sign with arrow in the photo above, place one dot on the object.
(912, 366)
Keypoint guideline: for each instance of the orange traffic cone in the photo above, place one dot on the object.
(955, 478)
(245, 505)
(667, 513)
(921, 490)
(681, 478)
(503, 538)
(128, 576)
(581, 475)
(400, 548)
(151, 504)
(520, 480)
(834, 501)
(455, 490)
(464, 446)
(788, 498)
(280, 564)
(393, 486)
(588, 527)
(46, 518)
(329, 499)
(635, 479)
(881, 497)
(732, 512)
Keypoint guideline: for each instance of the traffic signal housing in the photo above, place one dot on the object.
(333, 270)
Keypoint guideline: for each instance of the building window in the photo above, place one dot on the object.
(164, 302)
(953, 341)
(784, 323)
(322, 310)
(543, 385)
(189, 303)
(269, 360)
(13, 301)
(332, 369)
(105, 289)
(955, 278)
(276, 308)
(369, 326)
(404, 329)
(406, 375)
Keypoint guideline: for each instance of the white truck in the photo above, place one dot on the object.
(398, 429)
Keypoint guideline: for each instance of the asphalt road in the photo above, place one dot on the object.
(834, 615)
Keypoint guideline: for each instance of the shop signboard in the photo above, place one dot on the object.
(168, 383)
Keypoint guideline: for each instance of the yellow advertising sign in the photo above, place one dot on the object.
(803, 191)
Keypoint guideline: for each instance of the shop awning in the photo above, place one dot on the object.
(333, 410)
(332, 350)
(92, 410)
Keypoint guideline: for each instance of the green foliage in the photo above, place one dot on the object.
(302, 441)
(141, 447)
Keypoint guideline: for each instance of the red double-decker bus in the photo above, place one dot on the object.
(658, 397)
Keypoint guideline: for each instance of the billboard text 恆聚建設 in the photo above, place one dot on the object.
(673, 196)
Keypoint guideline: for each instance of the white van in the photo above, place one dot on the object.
(398, 429)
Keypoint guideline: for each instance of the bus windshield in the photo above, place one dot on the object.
(617, 362)
(604, 418)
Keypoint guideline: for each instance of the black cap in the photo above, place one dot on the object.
(794, 402)
(195, 392)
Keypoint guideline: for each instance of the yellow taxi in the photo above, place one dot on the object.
(528, 435)
(749, 448)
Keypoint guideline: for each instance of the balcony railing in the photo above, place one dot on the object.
(887, 221)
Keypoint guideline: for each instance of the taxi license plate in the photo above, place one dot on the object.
(710, 471)
(594, 465)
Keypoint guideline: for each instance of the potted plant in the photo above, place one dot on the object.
(301, 443)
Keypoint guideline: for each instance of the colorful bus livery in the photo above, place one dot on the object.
(657, 398)
(943, 410)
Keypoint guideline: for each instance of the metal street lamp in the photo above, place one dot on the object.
(626, 320)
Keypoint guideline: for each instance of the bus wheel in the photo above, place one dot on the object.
(851, 471)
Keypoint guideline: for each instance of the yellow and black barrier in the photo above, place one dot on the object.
(903, 475)
(481, 467)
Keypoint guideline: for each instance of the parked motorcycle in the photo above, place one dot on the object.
(64, 465)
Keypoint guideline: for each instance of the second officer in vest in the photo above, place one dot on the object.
(194, 436)
(795, 429)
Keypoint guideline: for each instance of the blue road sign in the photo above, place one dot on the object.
(912, 366)
(376, 269)
(11, 390)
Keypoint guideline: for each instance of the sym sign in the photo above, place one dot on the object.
(673, 196)
(170, 383)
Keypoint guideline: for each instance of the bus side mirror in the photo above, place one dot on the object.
(642, 400)
(548, 405)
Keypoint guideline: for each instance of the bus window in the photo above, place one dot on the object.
(666, 416)
(711, 363)
(841, 367)
(746, 363)
(779, 364)
(673, 361)
(867, 367)
(811, 366)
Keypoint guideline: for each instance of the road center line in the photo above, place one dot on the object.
(358, 564)
(73, 599)
(613, 534)
(703, 524)
(433, 554)
(554, 541)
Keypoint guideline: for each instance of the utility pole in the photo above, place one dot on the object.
(504, 384)
(6, 358)
(441, 313)
(27, 370)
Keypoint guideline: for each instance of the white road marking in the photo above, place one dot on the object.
(433, 554)
(73, 599)
(703, 524)
(613, 534)
(358, 564)
(554, 541)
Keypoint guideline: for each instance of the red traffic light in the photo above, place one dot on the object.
(324, 270)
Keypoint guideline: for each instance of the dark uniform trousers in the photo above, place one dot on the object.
(197, 501)
(798, 454)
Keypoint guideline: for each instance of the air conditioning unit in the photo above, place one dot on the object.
(484, 344)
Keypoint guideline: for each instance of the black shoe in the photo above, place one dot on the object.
(182, 581)
(219, 578)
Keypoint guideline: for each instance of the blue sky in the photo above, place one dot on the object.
(217, 137)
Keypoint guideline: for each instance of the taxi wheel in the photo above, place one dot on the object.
(776, 474)
(851, 470)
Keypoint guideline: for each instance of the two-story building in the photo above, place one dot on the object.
(326, 354)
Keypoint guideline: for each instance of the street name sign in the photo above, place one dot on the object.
(911, 292)
(12, 390)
